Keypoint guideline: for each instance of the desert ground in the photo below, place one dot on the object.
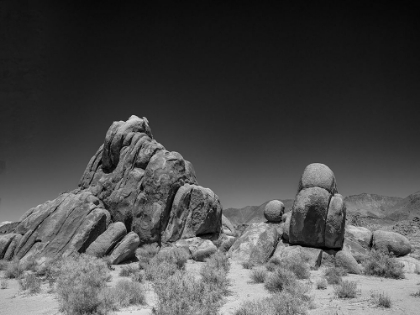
(241, 288)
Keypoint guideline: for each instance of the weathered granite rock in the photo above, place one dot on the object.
(227, 227)
(8, 227)
(199, 248)
(107, 240)
(359, 234)
(286, 227)
(256, 244)
(125, 249)
(309, 214)
(357, 251)
(273, 211)
(318, 175)
(195, 211)
(312, 256)
(335, 223)
(227, 243)
(63, 226)
(411, 265)
(12, 247)
(392, 242)
(5, 241)
(318, 213)
(345, 259)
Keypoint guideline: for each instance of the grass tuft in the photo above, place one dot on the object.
(258, 275)
(382, 265)
(382, 300)
(346, 290)
(30, 283)
(321, 284)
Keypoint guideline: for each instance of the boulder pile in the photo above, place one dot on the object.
(132, 192)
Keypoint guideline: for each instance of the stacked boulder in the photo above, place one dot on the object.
(132, 192)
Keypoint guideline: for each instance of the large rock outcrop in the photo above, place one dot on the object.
(131, 179)
(319, 213)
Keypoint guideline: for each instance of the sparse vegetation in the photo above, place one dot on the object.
(280, 279)
(80, 285)
(258, 275)
(417, 294)
(29, 282)
(381, 300)
(381, 264)
(3, 264)
(333, 275)
(248, 265)
(128, 271)
(4, 284)
(321, 284)
(145, 253)
(346, 289)
(129, 293)
(14, 270)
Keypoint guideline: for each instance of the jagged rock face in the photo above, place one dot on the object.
(62, 227)
(319, 213)
(131, 179)
(106, 241)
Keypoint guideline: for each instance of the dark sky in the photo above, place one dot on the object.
(249, 94)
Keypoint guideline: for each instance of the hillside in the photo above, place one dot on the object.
(252, 214)
(366, 205)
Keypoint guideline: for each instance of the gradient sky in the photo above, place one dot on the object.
(249, 94)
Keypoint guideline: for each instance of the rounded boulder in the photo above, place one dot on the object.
(392, 242)
(318, 175)
(273, 211)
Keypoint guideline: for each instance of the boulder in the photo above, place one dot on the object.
(286, 227)
(411, 265)
(312, 256)
(256, 244)
(12, 247)
(107, 240)
(227, 227)
(125, 249)
(309, 215)
(199, 248)
(318, 175)
(391, 242)
(335, 223)
(8, 227)
(359, 234)
(273, 211)
(227, 243)
(5, 241)
(63, 226)
(195, 211)
(355, 249)
(345, 259)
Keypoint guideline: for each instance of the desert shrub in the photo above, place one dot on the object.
(298, 264)
(129, 293)
(346, 289)
(381, 300)
(321, 284)
(158, 271)
(334, 275)
(107, 260)
(177, 256)
(80, 284)
(3, 264)
(278, 304)
(29, 282)
(49, 270)
(280, 279)
(128, 270)
(417, 294)
(14, 270)
(145, 253)
(138, 276)
(4, 284)
(248, 265)
(30, 265)
(381, 264)
(219, 261)
(258, 275)
(301, 270)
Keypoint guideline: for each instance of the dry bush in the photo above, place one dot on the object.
(321, 284)
(214, 273)
(138, 276)
(80, 284)
(128, 270)
(4, 284)
(380, 264)
(159, 271)
(49, 270)
(248, 265)
(334, 275)
(14, 270)
(280, 279)
(282, 303)
(346, 290)
(298, 264)
(3, 264)
(30, 265)
(145, 253)
(29, 282)
(417, 294)
(258, 275)
(381, 300)
(129, 293)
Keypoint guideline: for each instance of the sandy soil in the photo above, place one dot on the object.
(13, 301)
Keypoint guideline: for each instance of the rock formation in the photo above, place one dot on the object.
(131, 185)
(318, 213)
(274, 211)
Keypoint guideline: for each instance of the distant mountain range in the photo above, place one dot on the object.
(366, 205)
